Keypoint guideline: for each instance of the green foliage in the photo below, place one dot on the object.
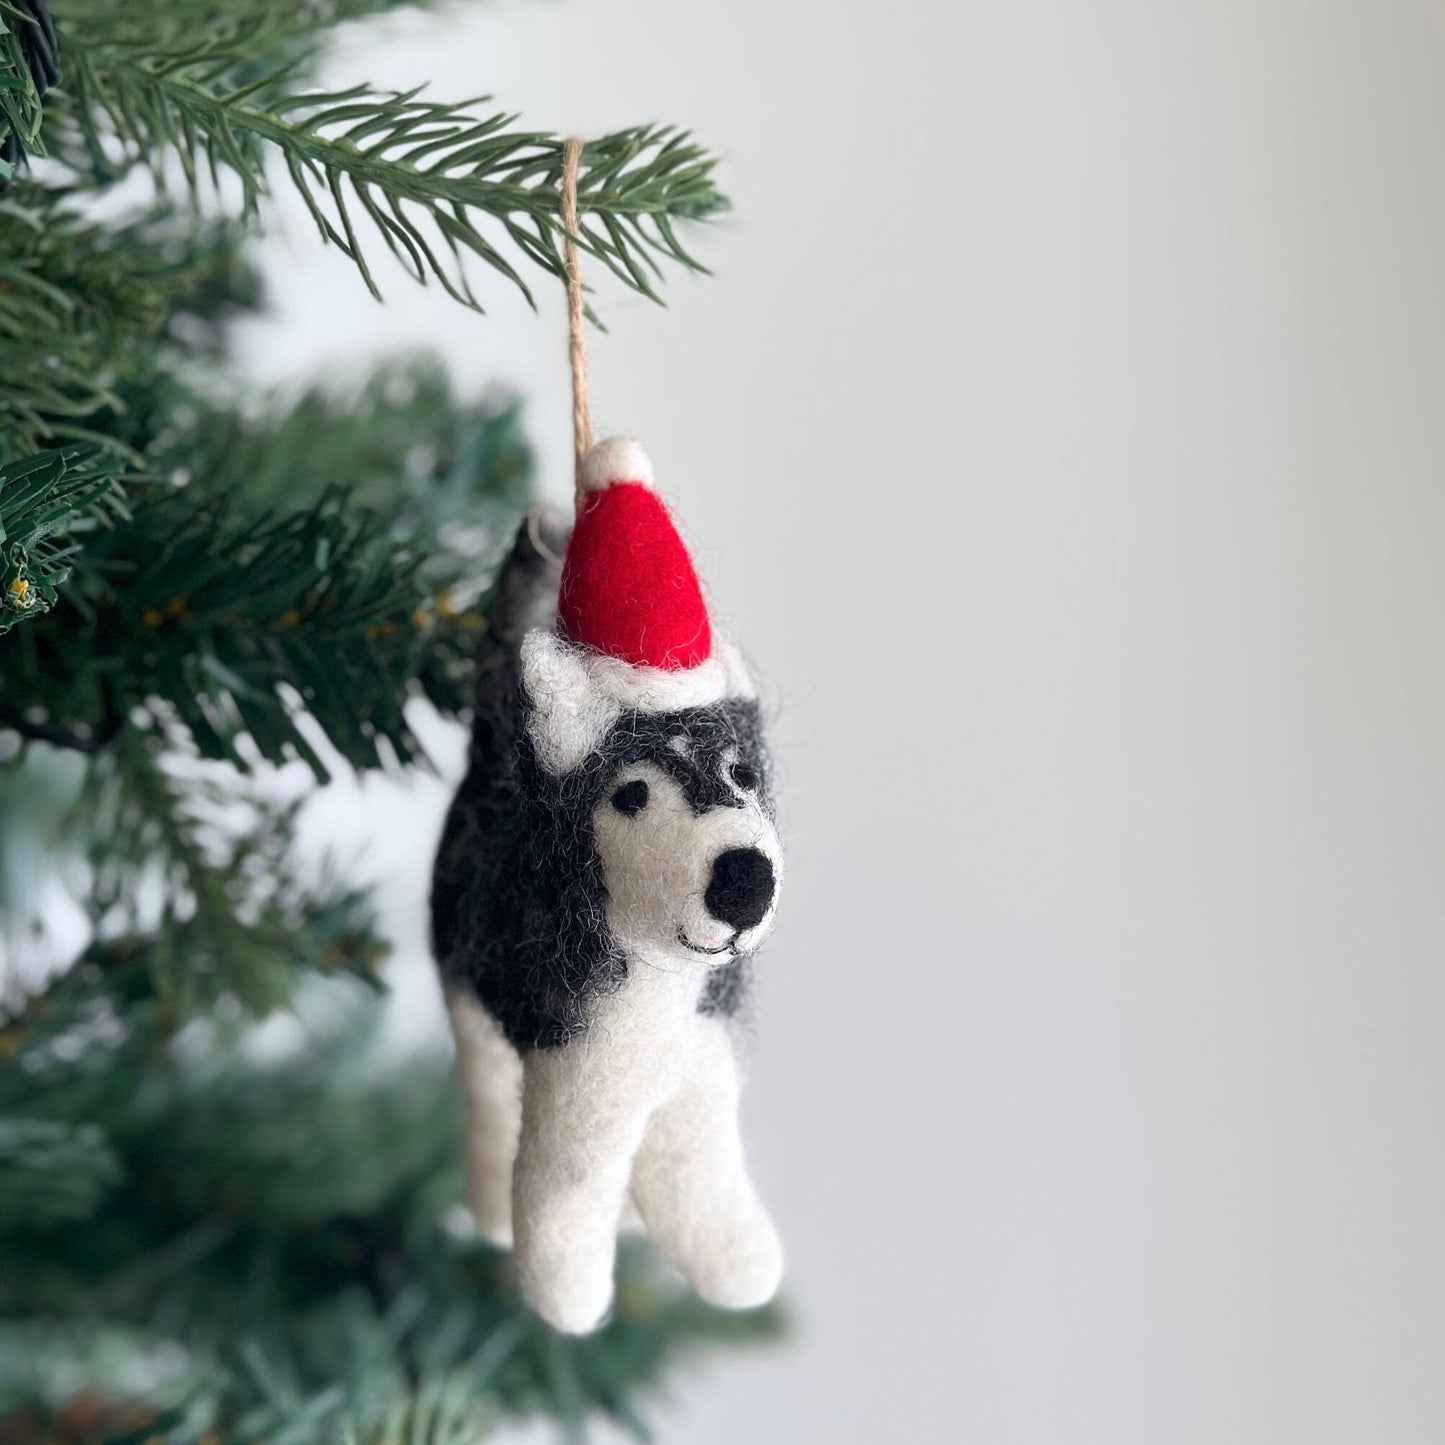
(28, 66)
(85, 309)
(309, 574)
(53, 1171)
(163, 27)
(41, 497)
(198, 92)
(278, 1250)
(205, 875)
(220, 97)
(203, 1239)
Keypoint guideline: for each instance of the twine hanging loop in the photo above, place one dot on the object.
(576, 312)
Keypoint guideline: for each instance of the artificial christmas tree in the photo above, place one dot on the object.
(202, 1239)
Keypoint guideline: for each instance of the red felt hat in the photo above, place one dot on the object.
(629, 589)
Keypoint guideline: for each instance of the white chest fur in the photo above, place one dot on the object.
(647, 1100)
(648, 1034)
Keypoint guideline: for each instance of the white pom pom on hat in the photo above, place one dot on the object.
(616, 459)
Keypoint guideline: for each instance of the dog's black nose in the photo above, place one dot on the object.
(742, 887)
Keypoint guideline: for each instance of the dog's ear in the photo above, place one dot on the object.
(568, 717)
(739, 680)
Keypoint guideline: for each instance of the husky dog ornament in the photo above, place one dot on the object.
(608, 869)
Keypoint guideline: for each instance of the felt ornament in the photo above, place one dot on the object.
(608, 869)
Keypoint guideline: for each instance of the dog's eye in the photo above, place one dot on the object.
(744, 775)
(631, 798)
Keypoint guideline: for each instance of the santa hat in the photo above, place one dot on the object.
(629, 589)
(632, 624)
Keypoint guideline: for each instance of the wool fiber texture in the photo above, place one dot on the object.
(519, 897)
(628, 589)
(607, 870)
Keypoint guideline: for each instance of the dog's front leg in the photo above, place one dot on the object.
(692, 1189)
(581, 1125)
(491, 1075)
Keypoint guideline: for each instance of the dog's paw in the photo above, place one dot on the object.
(573, 1301)
(739, 1266)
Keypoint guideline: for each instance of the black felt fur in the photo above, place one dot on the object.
(741, 890)
(518, 895)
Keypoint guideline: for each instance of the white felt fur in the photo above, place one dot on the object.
(657, 865)
(647, 1096)
(577, 693)
(615, 459)
(491, 1074)
(569, 716)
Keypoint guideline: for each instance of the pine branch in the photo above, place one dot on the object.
(82, 309)
(239, 605)
(178, 23)
(40, 497)
(189, 883)
(401, 440)
(28, 67)
(262, 592)
(53, 1171)
(419, 175)
(202, 879)
(102, 1019)
(287, 1234)
(84, 312)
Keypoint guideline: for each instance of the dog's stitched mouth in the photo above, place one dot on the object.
(731, 946)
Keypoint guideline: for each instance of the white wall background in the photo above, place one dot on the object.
(1063, 434)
